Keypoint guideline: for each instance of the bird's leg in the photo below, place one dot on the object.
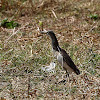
(62, 81)
(67, 74)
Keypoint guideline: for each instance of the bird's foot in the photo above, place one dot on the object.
(62, 81)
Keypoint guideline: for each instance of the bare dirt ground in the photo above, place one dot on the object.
(24, 51)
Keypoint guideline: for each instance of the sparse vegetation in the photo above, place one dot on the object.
(23, 50)
(9, 24)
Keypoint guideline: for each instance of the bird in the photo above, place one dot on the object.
(61, 55)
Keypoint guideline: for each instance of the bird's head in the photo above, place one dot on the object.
(50, 33)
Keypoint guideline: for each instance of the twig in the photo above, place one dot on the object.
(54, 14)
(91, 29)
(15, 32)
(93, 26)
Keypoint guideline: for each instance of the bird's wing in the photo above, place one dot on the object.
(69, 61)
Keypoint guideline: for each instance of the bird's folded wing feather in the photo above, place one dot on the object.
(69, 61)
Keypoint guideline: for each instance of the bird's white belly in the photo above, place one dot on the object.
(59, 57)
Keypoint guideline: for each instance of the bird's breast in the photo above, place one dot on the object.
(58, 56)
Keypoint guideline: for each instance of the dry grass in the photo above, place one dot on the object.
(23, 51)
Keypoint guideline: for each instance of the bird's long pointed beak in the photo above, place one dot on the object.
(43, 32)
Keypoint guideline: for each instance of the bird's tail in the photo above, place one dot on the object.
(77, 71)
